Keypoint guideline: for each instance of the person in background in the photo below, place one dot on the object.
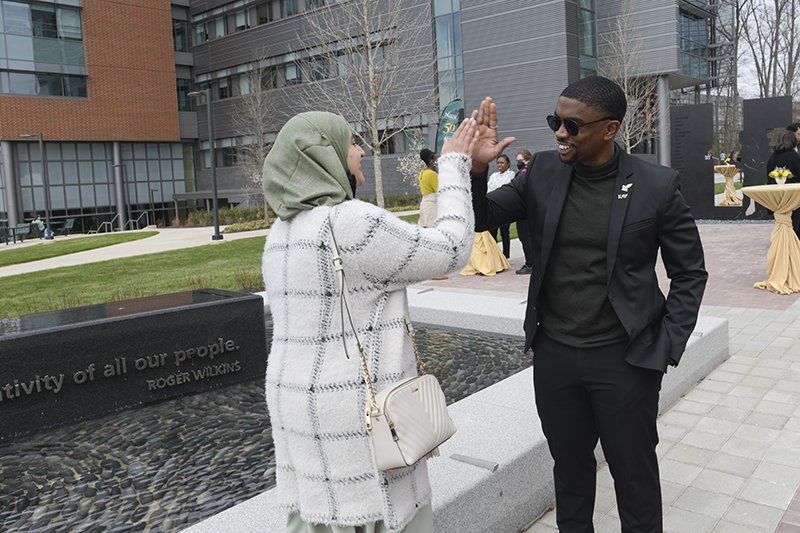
(794, 127)
(602, 332)
(523, 158)
(428, 186)
(784, 155)
(326, 476)
(496, 180)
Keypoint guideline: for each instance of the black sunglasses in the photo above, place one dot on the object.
(572, 127)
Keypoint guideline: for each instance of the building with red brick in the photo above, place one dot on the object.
(97, 80)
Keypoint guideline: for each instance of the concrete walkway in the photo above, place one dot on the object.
(730, 448)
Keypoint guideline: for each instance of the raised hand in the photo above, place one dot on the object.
(464, 139)
(487, 147)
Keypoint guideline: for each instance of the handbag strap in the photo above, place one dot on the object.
(344, 304)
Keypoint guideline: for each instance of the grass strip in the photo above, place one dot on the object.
(234, 265)
(46, 250)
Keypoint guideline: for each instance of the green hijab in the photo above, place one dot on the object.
(307, 166)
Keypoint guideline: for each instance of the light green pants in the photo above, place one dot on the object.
(421, 523)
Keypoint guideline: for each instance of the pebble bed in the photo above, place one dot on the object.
(164, 467)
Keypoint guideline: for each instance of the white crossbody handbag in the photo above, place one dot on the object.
(408, 420)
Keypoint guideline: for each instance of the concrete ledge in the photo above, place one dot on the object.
(498, 424)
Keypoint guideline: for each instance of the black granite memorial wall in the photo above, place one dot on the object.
(74, 364)
(761, 118)
(692, 130)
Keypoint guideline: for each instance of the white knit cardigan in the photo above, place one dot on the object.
(316, 396)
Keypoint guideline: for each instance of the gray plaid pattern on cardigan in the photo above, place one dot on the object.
(315, 394)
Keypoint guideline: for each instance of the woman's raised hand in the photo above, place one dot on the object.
(464, 139)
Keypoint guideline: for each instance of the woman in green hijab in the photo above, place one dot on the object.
(326, 475)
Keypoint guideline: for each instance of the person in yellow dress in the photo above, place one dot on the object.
(486, 258)
(428, 186)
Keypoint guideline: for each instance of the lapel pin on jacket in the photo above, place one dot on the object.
(625, 189)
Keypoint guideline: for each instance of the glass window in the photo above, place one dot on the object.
(54, 174)
(87, 195)
(75, 86)
(217, 28)
(288, 8)
(46, 50)
(314, 4)
(72, 53)
(200, 33)
(18, 47)
(318, 69)
(242, 19)
(100, 172)
(416, 138)
(16, 18)
(49, 84)
(228, 156)
(43, 18)
(244, 83)
(445, 43)
(67, 151)
(184, 100)
(22, 83)
(69, 23)
(57, 198)
(101, 195)
(73, 194)
(292, 74)
(70, 172)
(180, 34)
(85, 172)
(264, 12)
(223, 88)
(268, 78)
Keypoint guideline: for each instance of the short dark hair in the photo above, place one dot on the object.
(504, 156)
(426, 155)
(526, 154)
(600, 93)
(793, 127)
(786, 141)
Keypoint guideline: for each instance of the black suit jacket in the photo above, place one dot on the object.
(648, 214)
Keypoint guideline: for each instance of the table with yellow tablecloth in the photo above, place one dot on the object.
(783, 257)
(486, 257)
(729, 197)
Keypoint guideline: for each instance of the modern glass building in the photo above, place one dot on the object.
(127, 145)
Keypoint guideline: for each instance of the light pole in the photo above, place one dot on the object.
(207, 94)
(153, 206)
(48, 234)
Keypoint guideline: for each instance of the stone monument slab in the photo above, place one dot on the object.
(62, 366)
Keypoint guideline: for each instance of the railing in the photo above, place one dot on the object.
(134, 224)
(107, 226)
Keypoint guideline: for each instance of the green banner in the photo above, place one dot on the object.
(452, 116)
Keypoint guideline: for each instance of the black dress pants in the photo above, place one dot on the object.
(583, 394)
(525, 239)
(506, 235)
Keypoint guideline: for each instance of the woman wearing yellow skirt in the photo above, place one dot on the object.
(486, 258)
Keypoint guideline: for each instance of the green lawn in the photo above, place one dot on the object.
(234, 265)
(512, 230)
(719, 188)
(46, 250)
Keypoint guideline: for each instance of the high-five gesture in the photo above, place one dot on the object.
(487, 147)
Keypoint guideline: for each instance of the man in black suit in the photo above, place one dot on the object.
(602, 332)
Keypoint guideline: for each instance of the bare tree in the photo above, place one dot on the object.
(373, 64)
(622, 62)
(770, 33)
(251, 123)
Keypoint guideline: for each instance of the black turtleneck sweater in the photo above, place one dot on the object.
(575, 309)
